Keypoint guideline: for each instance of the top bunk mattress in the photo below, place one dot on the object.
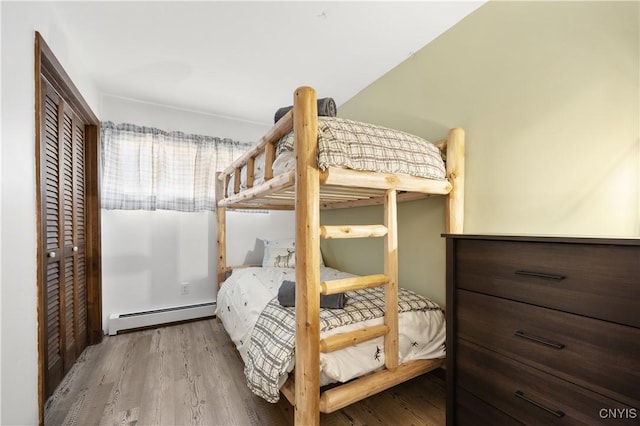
(361, 146)
(364, 146)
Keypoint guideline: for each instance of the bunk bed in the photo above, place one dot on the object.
(307, 188)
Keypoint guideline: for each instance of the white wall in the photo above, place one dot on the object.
(19, 368)
(146, 255)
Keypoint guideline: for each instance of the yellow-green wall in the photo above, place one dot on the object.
(548, 93)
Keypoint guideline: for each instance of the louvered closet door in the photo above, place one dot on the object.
(64, 236)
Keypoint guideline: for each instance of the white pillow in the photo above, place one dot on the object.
(281, 253)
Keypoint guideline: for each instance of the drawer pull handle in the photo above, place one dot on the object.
(542, 275)
(542, 340)
(556, 413)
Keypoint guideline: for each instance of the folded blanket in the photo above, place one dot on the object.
(326, 108)
(287, 297)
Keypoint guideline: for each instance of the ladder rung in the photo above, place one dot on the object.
(342, 340)
(353, 231)
(352, 283)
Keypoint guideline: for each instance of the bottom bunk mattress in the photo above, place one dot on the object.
(264, 331)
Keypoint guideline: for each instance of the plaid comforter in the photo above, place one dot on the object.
(364, 146)
(272, 346)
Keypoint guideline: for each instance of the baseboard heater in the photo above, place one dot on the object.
(119, 322)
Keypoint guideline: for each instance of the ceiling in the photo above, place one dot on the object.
(244, 59)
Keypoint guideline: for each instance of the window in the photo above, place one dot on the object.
(145, 168)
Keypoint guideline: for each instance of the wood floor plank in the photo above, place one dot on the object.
(191, 374)
(156, 401)
(128, 386)
(242, 407)
(429, 395)
(95, 406)
(357, 414)
(73, 393)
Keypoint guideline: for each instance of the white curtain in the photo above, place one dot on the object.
(145, 168)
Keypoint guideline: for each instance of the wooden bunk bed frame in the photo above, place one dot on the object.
(306, 189)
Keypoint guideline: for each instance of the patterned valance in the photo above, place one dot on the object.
(145, 168)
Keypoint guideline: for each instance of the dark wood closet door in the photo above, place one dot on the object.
(79, 251)
(62, 166)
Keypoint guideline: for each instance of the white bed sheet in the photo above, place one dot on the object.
(247, 291)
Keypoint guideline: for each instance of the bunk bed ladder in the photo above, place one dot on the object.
(367, 385)
(338, 397)
(389, 279)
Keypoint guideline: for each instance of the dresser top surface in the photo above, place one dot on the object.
(629, 241)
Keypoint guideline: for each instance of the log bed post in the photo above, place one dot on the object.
(391, 271)
(455, 175)
(221, 224)
(307, 204)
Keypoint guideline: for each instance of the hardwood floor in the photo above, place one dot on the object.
(191, 374)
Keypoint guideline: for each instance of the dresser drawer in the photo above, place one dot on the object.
(472, 411)
(529, 395)
(600, 281)
(596, 354)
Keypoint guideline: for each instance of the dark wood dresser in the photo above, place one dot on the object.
(543, 330)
